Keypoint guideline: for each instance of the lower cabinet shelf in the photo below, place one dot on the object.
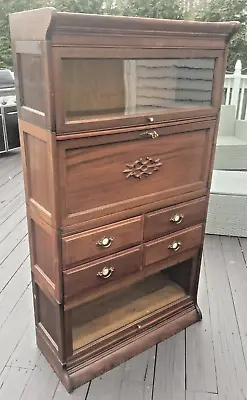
(112, 312)
(107, 331)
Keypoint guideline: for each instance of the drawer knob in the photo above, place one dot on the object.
(175, 246)
(106, 272)
(152, 134)
(177, 218)
(105, 242)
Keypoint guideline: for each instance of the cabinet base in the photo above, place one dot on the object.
(77, 376)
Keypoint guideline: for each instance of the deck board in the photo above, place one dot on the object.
(236, 270)
(200, 358)
(11, 207)
(14, 327)
(243, 244)
(42, 383)
(201, 396)
(13, 291)
(229, 357)
(12, 222)
(207, 362)
(169, 379)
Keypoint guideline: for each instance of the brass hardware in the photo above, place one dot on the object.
(105, 242)
(106, 272)
(177, 218)
(152, 134)
(151, 119)
(175, 246)
(142, 167)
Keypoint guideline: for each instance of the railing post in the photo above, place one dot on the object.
(236, 84)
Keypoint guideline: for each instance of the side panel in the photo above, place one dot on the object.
(32, 67)
(38, 153)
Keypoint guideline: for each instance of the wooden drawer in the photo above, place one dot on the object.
(99, 178)
(174, 218)
(167, 246)
(101, 241)
(93, 274)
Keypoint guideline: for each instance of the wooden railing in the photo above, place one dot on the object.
(235, 92)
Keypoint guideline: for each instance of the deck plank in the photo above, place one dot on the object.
(229, 358)
(11, 223)
(11, 207)
(12, 240)
(201, 396)
(14, 327)
(243, 244)
(12, 293)
(42, 383)
(137, 382)
(237, 275)
(78, 394)
(9, 174)
(14, 383)
(107, 386)
(26, 353)
(12, 189)
(13, 262)
(8, 163)
(169, 380)
(200, 361)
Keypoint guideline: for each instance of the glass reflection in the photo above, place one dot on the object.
(101, 88)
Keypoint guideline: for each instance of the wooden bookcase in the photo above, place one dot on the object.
(118, 120)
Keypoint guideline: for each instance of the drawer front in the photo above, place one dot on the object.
(101, 242)
(167, 246)
(98, 178)
(174, 218)
(105, 271)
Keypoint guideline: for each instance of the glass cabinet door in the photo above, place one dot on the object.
(104, 88)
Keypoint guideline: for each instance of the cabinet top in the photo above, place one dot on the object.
(45, 23)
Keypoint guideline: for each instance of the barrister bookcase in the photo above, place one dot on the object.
(118, 120)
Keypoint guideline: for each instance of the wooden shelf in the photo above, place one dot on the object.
(105, 315)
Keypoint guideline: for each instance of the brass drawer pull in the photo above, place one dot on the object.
(177, 218)
(152, 134)
(175, 246)
(105, 242)
(106, 272)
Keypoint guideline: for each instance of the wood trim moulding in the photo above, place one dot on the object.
(28, 47)
(42, 20)
(80, 373)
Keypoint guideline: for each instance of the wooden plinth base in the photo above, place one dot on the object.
(82, 373)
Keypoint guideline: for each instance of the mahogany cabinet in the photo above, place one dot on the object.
(118, 120)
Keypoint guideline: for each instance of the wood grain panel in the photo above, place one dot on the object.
(37, 170)
(159, 223)
(178, 165)
(43, 251)
(79, 279)
(32, 85)
(158, 249)
(85, 246)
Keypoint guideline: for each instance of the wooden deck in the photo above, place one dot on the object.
(207, 361)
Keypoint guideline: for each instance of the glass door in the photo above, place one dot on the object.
(93, 90)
